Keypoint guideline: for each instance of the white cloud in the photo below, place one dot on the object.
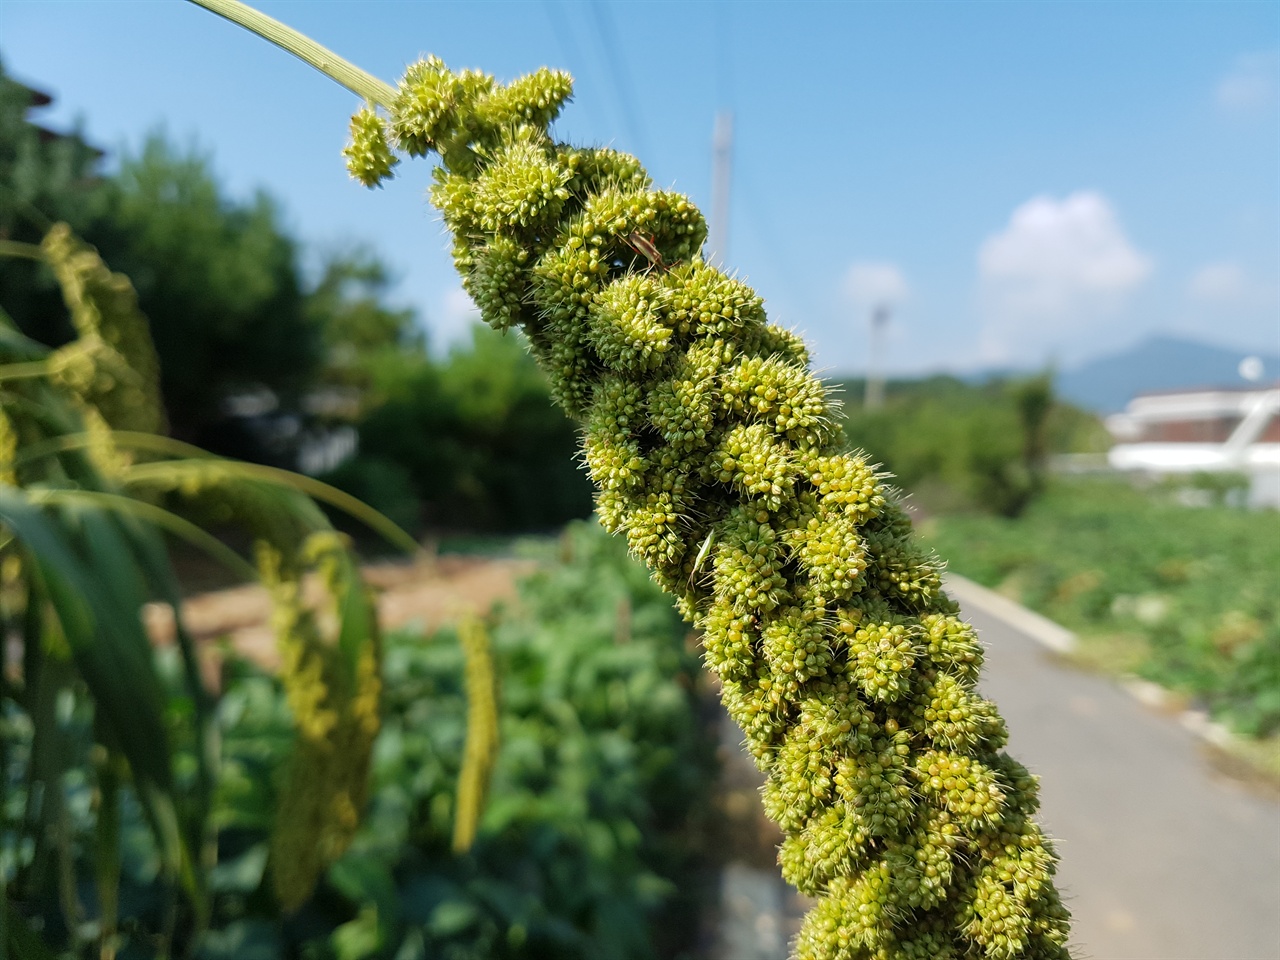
(873, 283)
(1251, 84)
(1223, 282)
(1053, 251)
(1058, 268)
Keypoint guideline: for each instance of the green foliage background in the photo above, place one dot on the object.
(218, 278)
(599, 798)
(1183, 595)
(473, 439)
(963, 446)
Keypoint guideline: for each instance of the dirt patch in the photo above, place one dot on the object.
(428, 594)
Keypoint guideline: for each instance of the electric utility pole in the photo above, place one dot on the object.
(722, 165)
(875, 368)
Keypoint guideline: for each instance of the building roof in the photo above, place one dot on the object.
(1196, 391)
(38, 98)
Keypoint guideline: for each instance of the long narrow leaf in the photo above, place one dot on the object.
(16, 346)
(59, 568)
(117, 663)
(168, 470)
(120, 671)
(45, 676)
(153, 561)
(85, 568)
(180, 527)
(107, 851)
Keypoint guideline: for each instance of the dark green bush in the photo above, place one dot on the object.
(958, 446)
(383, 484)
(478, 437)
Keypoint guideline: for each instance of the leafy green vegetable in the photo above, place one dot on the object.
(601, 782)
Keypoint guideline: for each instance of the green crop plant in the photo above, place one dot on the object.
(715, 453)
(590, 845)
(92, 721)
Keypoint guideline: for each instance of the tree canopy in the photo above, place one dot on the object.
(217, 277)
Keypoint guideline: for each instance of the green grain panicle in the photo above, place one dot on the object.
(715, 452)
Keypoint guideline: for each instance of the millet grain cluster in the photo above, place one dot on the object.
(715, 452)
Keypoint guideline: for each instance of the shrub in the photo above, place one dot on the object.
(477, 438)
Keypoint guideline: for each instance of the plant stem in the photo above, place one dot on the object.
(15, 248)
(304, 48)
(107, 851)
(24, 370)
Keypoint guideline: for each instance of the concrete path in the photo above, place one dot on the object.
(1163, 858)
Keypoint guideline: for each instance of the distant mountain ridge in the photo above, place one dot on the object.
(1106, 384)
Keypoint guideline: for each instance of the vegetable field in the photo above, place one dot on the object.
(1186, 596)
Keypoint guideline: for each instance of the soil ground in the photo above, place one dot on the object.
(429, 593)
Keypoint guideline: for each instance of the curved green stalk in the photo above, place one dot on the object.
(27, 370)
(304, 48)
(132, 439)
(15, 248)
(150, 472)
(165, 519)
(316, 489)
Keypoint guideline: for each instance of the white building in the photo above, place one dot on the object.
(1194, 431)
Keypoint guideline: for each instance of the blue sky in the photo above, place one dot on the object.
(1023, 182)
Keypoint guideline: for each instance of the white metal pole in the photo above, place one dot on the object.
(874, 397)
(721, 170)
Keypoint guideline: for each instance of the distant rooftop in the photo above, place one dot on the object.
(1210, 429)
(38, 98)
(1208, 389)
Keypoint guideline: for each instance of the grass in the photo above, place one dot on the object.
(1188, 597)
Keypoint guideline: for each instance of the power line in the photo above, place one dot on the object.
(564, 34)
(779, 245)
(621, 77)
(575, 62)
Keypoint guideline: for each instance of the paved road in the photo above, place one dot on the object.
(1162, 857)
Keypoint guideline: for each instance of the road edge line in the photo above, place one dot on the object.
(1062, 641)
(1041, 629)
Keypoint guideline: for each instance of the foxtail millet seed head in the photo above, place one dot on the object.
(717, 453)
